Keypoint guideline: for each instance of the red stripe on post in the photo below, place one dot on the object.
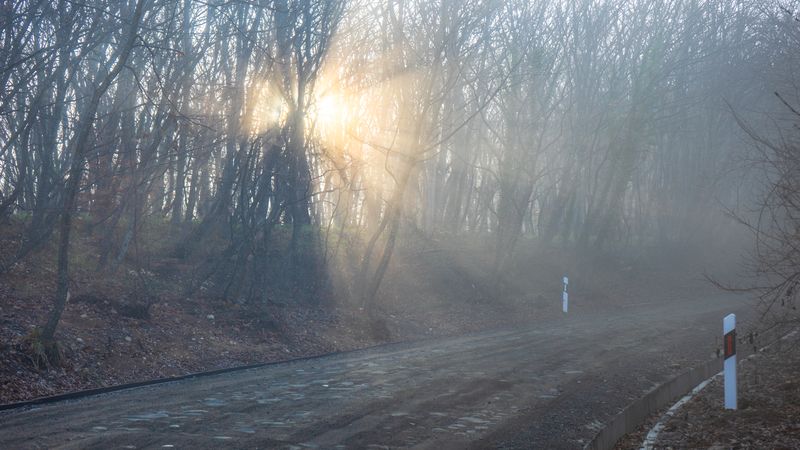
(730, 344)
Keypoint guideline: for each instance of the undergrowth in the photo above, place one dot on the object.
(41, 352)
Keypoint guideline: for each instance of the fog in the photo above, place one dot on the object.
(350, 223)
(290, 148)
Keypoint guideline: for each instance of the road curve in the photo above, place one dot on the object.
(550, 385)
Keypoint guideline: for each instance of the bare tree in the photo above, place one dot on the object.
(80, 147)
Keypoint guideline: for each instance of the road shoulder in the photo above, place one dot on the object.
(769, 407)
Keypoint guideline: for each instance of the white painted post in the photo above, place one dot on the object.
(729, 340)
(565, 296)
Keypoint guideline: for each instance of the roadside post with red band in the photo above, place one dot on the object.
(729, 339)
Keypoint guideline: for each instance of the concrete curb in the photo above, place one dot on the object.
(634, 415)
(652, 435)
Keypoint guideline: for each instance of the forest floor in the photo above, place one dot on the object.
(768, 414)
(433, 288)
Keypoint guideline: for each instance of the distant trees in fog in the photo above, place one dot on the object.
(774, 217)
(300, 133)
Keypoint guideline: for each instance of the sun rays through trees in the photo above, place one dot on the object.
(292, 144)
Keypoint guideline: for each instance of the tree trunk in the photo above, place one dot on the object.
(80, 149)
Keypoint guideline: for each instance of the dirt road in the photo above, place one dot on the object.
(548, 386)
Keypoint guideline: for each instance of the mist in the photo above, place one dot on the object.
(316, 175)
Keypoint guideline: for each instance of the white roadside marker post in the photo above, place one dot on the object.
(565, 296)
(729, 332)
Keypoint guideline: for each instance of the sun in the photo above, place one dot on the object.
(329, 113)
